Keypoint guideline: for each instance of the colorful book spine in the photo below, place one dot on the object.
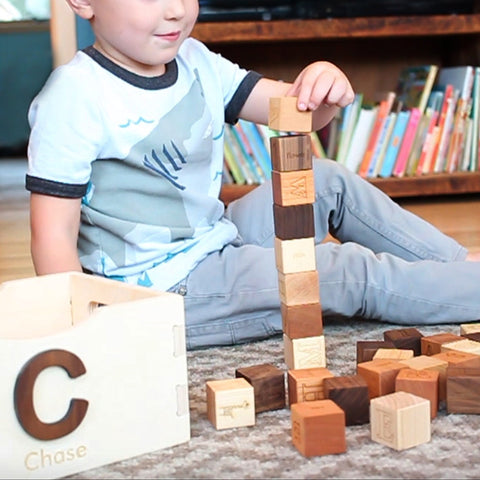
(407, 142)
(395, 142)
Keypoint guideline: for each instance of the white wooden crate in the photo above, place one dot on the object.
(123, 346)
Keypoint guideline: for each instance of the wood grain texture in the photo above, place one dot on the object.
(407, 338)
(463, 390)
(293, 222)
(291, 152)
(301, 321)
(308, 352)
(284, 116)
(393, 354)
(297, 255)
(268, 384)
(366, 349)
(318, 428)
(299, 288)
(380, 376)
(293, 188)
(306, 384)
(350, 393)
(432, 344)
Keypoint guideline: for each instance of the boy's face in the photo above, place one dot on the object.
(142, 35)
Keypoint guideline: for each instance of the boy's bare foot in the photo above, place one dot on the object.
(473, 257)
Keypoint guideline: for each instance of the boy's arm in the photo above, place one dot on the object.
(54, 224)
(320, 87)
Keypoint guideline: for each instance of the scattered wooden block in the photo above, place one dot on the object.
(393, 354)
(463, 390)
(456, 358)
(293, 188)
(318, 428)
(423, 383)
(380, 376)
(268, 384)
(465, 345)
(293, 222)
(350, 393)
(230, 403)
(466, 328)
(407, 338)
(430, 363)
(432, 344)
(297, 255)
(285, 116)
(299, 288)
(291, 152)
(475, 336)
(300, 321)
(400, 420)
(366, 349)
(308, 352)
(306, 384)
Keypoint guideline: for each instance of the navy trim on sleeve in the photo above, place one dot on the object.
(240, 96)
(56, 189)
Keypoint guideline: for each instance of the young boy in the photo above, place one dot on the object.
(125, 164)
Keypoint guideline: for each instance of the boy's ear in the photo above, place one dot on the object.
(82, 8)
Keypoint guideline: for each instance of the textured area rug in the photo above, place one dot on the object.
(266, 450)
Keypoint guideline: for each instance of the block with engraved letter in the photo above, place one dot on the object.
(306, 384)
(409, 338)
(308, 352)
(291, 152)
(400, 420)
(318, 428)
(293, 188)
(297, 255)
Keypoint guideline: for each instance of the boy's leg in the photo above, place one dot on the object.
(352, 210)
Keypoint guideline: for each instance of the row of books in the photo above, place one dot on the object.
(428, 124)
(247, 152)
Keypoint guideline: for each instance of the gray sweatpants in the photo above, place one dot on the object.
(391, 265)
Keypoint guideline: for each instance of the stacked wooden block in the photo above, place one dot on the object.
(293, 197)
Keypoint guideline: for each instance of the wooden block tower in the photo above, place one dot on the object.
(293, 197)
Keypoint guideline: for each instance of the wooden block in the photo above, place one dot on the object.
(423, 383)
(463, 390)
(380, 376)
(308, 352)
(291, 152)
(268, 384)
(318, 428)
(432, 344)
(284, 116)
(306, 384)
(300, 321)
(299, 288)
(350, 393)
(466, 328)
(475, 336)
(293, 188)
(293, 256)
(407, 338)
(465, 345)
(400, 420)
(456, 358)
(430, 363)
(366, 349)
(293, 222)
(393, 354)
(230, 403)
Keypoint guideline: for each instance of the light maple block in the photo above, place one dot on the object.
(306, 384)
(230, 403)
(400, 420)
(467, 328)
(284, 116)
(299, 288)
(466, 345)
(318, 428)
(88, 363)
(297, 255)
(308, 352)
(423, 383)
(293, 188)
(393, 354)
(291, 152)
(380, 375)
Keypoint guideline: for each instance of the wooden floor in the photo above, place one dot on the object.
(458, 216)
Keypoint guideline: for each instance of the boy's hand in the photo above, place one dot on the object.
(321, 83)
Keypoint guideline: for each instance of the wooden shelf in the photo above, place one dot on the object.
(25, 26)
(426, 185)
(336, 28)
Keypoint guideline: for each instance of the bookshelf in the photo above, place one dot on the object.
(371, 50)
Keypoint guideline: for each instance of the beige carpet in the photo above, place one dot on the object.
(266, 451)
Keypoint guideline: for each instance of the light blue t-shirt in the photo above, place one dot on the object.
(146, 156)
